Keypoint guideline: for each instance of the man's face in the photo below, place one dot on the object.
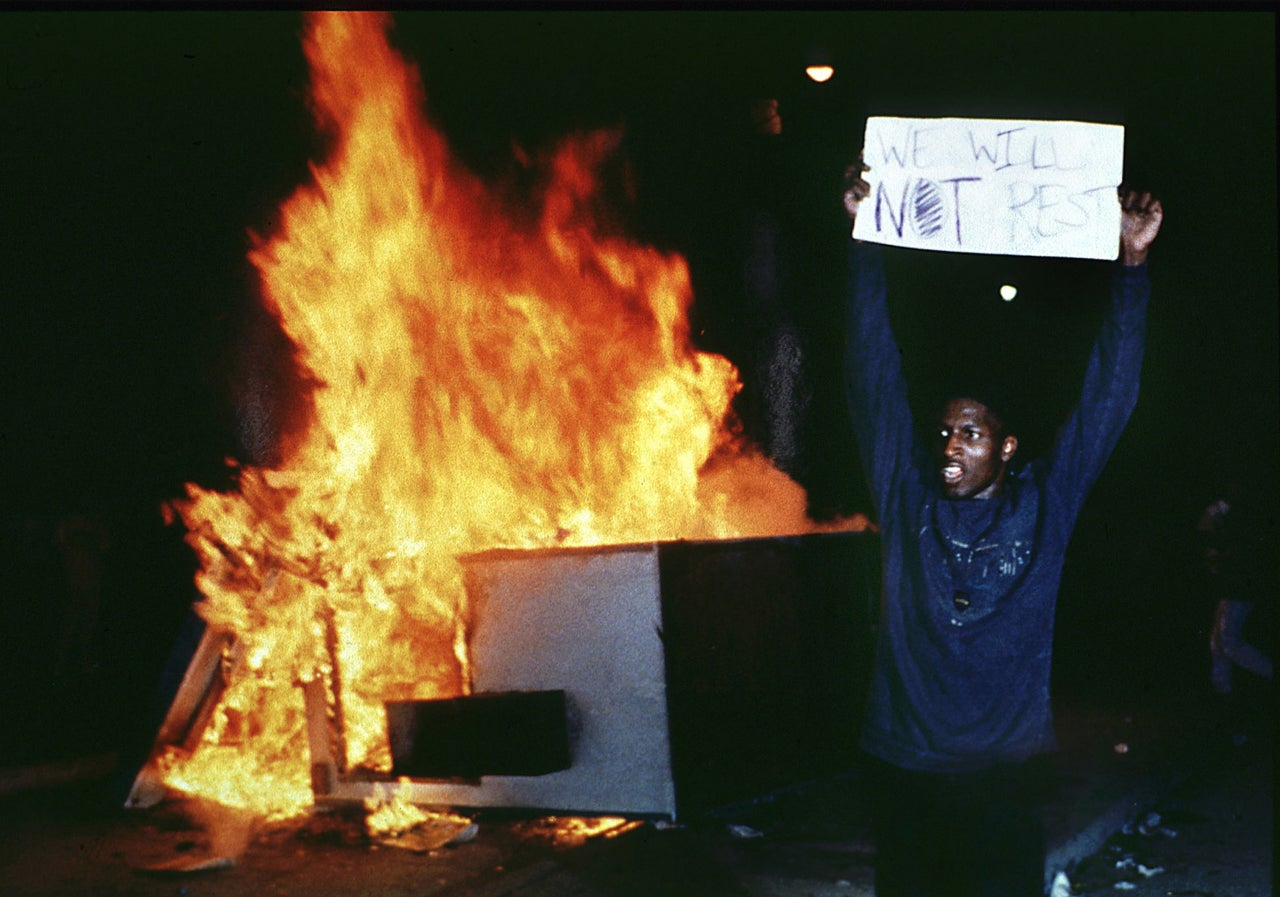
(972, 450)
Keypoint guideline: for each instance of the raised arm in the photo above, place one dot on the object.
(874, 383)
(1110, 390)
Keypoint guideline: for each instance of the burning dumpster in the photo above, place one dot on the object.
(509, 478)
(659, 679)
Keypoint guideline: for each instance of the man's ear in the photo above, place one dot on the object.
(1008, 447)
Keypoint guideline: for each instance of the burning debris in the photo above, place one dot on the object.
(191, 838)
(568, 832)
(394, 821)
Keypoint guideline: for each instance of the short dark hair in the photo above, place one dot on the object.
(994, 395)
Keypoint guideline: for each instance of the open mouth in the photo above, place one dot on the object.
(951, 473)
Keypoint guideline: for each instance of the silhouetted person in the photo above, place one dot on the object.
(775, 396)
(1234, 532)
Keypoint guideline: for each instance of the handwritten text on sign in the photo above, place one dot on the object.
(995, 186)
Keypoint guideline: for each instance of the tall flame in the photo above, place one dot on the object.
(482, 380)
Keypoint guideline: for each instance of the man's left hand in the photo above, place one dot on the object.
(1140, 217)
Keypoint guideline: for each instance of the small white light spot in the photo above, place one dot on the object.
(1008, 291)
(819, 73)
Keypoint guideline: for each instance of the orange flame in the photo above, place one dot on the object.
(480, 383)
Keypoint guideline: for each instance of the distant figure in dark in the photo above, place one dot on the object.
(958, 720)
(775, 397)
(1234, 537)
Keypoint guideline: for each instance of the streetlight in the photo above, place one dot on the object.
(818, 66)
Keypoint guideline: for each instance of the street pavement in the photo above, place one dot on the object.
(1151, 772)
(1209, 837)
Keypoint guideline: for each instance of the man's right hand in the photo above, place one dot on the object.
(856, 188)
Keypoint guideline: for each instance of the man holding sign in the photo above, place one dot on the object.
(972, 554)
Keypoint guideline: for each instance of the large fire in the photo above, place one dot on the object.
(482, 380)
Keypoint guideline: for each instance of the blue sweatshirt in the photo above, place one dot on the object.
(961, 676)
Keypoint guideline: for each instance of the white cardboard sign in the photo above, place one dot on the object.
(994, 186)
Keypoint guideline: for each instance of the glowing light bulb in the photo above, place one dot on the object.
(1008, 291)
(819, 73)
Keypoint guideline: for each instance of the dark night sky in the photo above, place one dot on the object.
(137, 149)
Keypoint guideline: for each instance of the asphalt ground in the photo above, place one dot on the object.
(60, 835)
(1211, 836)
